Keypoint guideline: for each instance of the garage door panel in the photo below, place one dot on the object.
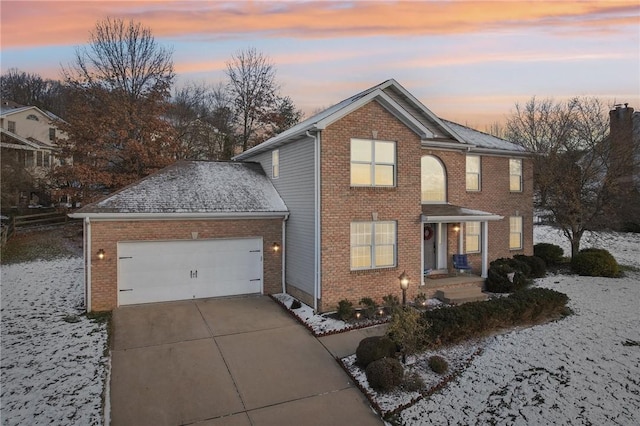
(178, 270)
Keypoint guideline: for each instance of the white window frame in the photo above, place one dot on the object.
(373, 163)
(372, 246)
(11, 126)
(468, 234)
(516, 230)
(474, 173)
(275, 164)
(513, 175)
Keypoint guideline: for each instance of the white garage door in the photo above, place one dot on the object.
(158, 271)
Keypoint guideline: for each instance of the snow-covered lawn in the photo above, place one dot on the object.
(584, 369)
(53, 361)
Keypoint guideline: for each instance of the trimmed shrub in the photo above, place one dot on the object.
(595, 263)
(374, 348)
(385, 374)
(413, 382)
(345, 310)
(453, 324)
(420, 300)
(507, 275)
(368, 307)
(550, 253)
(537, 266)
(438, 364)
(390, 301)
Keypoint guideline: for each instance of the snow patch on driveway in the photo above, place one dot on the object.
(53, 368)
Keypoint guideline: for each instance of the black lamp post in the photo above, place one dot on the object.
(404, 285)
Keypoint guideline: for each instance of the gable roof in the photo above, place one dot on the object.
(396, 99)
(194, 189)
(484, 140)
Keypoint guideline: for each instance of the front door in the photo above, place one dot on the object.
(430, 247)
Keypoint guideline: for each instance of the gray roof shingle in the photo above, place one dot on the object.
(196, 187)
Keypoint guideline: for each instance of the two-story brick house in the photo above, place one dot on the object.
(378, 185)
(374, 186)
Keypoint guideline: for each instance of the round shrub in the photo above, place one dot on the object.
(438, 364)
(595, 263)
(507, 276)
(374, 348)
(550, 253)
(537, 266)
(385, 374)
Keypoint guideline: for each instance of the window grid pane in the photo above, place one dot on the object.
(372, 163)
(433, 180)
(373, 244)
(472, 237)
(515, 175)
(515, 234)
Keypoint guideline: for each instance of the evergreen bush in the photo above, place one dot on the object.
(345, 310)
(595, 263)
(385, 374)
(374, 348)
(550, 253)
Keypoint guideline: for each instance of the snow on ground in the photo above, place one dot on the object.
(52, 362)
(584, 369)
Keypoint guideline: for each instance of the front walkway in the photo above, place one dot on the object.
(235, 361)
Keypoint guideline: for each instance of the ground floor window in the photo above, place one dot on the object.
(373, 245)
(472, 237)
(515, 232)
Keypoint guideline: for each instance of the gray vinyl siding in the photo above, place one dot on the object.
(296, 187)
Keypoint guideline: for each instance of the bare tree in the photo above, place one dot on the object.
(33, 90)
(116, 121)
(123, 56)
(253, 89)
(571, 160)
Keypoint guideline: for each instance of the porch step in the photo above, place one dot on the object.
(460, 295)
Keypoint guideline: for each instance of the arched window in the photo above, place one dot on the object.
(32, 117)
(434, 180)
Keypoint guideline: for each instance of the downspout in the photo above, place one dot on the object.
(284, 253)
(87, 264)
(318, 258)
(485, 249)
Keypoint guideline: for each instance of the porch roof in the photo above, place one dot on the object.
(447, 213)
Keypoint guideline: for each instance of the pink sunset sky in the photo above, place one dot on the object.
(468, 61)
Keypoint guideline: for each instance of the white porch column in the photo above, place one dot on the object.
(485, 249)
(460, 238)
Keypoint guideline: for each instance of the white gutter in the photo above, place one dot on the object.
(179, 216)
(87, 264)
(485, 250)
(451, 145)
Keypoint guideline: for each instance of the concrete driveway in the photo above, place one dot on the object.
(233, 361)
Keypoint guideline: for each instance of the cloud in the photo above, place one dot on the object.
(67, 22)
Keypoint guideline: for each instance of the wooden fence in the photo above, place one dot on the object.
(31, 220)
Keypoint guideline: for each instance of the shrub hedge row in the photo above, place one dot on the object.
(454, 324)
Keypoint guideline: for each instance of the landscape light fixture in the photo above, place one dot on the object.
(101, 254)
(276, 247)
(404, 285)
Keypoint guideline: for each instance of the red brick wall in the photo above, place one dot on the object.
(341, 204)
(106, 234)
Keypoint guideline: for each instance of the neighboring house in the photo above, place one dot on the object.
(374, 186)
(28, 139)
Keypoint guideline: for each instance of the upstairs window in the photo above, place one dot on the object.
(11, 126)
(32, 117)
(275, 164)
(515, 175)
(52, 134)
(373, 245)
(373, 163)
(472, 237)
(473, 173)
(434, 180)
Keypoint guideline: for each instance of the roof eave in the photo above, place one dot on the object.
(497, 151)
(460, 218)
(178, 216)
